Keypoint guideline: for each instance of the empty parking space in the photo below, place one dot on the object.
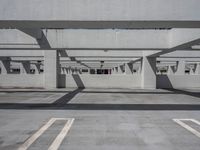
(58, 139)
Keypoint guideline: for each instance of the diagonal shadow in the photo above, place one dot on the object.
(39, 35)
(67, 97)
(169, 87)
(193, 94)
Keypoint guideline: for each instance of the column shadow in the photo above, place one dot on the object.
(68, 97)
(163, 82)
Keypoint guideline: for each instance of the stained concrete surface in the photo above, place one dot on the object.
(113, 127)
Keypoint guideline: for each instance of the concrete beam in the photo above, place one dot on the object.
(83, 39)
(180, 39)
(108, 39)
(174, 59)
(21, 53)
(99, 10)
(169, 40)
(148, 24)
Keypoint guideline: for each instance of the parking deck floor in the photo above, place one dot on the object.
(96, 119)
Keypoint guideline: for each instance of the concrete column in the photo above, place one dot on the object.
(197, 70)
(51, 68)
(181, 68)
(37, 68)
(115, 70)
(112, 70)
(120, 70)
(62, 70)
(80, 71)
(5, 66)
(158, 71)
(148, 74)
(69, 70)
(139, 70)
(191, 71)
(25, 67)
(75, 71)
(95, 70)
(128, 68)
(66, 71)
(170, 70)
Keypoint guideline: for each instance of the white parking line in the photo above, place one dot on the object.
(56, 143)
(187, 127)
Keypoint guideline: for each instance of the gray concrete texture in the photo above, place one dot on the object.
(120, 119)
(100, 10)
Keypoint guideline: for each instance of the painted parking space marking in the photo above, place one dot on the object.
(58, 140)
(187, 127)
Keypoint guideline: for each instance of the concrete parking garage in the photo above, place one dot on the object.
(99, 74)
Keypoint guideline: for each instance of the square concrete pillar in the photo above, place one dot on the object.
(192, 71)
(197, 69)
(51, 69)
(158, 71)
(5, 66)
(112, 71)
(25, 67)
(115, 70)
(69, 70)
(80, 71)
(139, 69)
(76, 71)
(128, 68)
(148, 74)
(62, 70)
(180, 67)
(37, 68)
(170, 70)
(120, 69)
(66, 70)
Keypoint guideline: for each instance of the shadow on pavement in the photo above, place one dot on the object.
(71, 106)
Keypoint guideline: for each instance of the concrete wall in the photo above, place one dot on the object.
(21, 80)
(178, 81)
(100, 81)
